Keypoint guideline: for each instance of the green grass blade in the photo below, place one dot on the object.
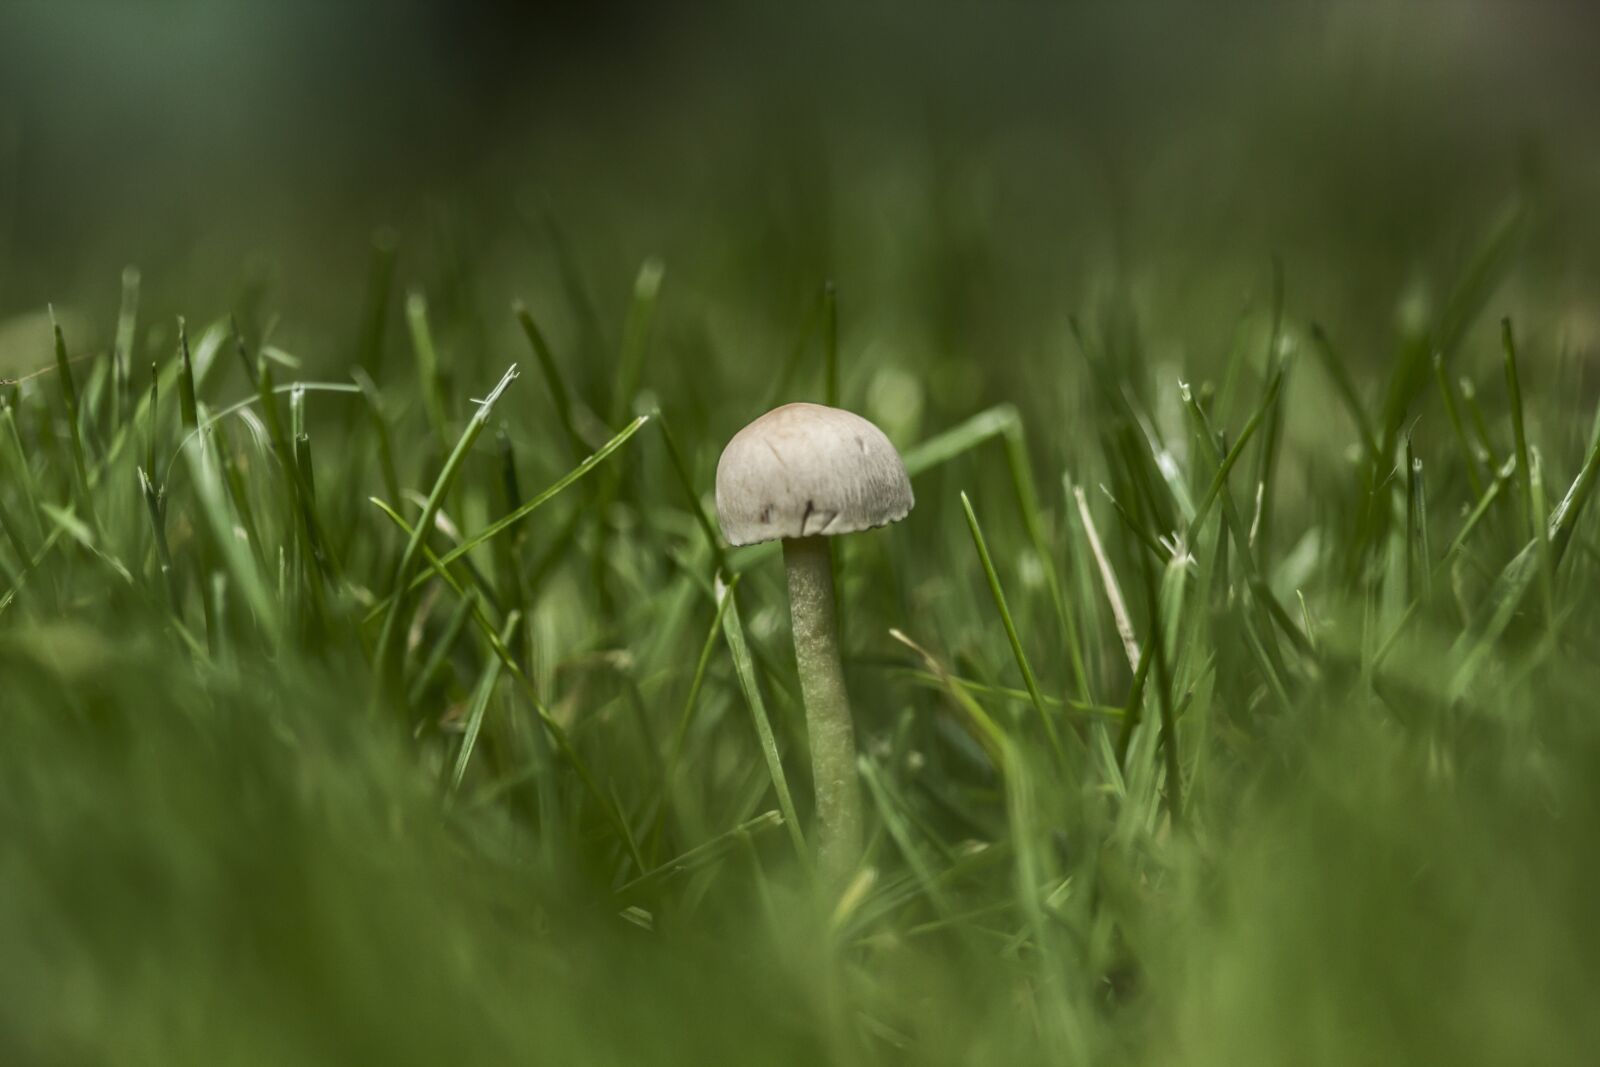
(1219, 481)
(187, 402)
(478, 707)
(380, 430)
(212, 496)
(24, 471)
(1020, 696)
(1518, 432)
(699, 857)
(442, 648)
(1470, 459)
(393, 624)
(680, 471)
(1340, 376)
(508, 522)
(978, 722)
(381, 262)
(636, 337)
(1547, 567)
(1023, 665)
(69, 401)
(744, 669)
(1511, 585)
(560, 399)
(558, 733)
(899, 830)
(79, 531)
(691, 700)
(1022, 482)
(122, 347)
(961, 438)
(427, 357)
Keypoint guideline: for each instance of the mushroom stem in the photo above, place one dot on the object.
(828, 723)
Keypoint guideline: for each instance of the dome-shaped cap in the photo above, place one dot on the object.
(803, 470)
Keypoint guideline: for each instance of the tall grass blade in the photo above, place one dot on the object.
(744, 669)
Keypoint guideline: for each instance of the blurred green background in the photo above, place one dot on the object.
(217, 859)
(1013, 161)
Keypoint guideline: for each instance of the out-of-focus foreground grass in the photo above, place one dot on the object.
(1294, 318)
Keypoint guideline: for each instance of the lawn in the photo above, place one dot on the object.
(377, 684)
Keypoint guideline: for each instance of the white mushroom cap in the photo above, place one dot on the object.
(804, 469)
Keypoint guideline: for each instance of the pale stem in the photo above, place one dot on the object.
(828, 723)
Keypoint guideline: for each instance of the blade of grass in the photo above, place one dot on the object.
(963, 437)
(122, 347)
(691, 701)
(1518, 432)
(1438, 567)
(1424, 539)
(1266, 468)
(1108, 579)
(630, 367)
(744, 669)
(979, 724)
(1266, 601)
(1133, 710)
(427, 357)
(380, 429)
(1505, 595)
(211, 494)
(76, 529)
(19, 456)
(1019, 696)
(1536, 504)
(899, 832)
(592, 343)
(636, 337)
(557, 386)
(1410, 539)
(1480, 425)
(1219, 481)
(394, 621)
(69, 401)
(1470, 458)
(322, 552)
(1156, 645)
(558, 733)
(1340, 375)
(700, 856)
(384, 255)
(442, 647)
(1010, 625)
(680, 470)
(479, 706)
(1028, 503)
(511, 520)
(508, 550)
(187, 402)
(238, 494)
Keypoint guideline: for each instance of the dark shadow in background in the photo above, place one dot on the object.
(143, 132)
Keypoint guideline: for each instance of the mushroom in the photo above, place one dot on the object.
(799, 474)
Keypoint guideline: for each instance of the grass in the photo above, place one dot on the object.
(1230, 706)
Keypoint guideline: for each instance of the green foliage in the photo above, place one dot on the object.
(1228, 697)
